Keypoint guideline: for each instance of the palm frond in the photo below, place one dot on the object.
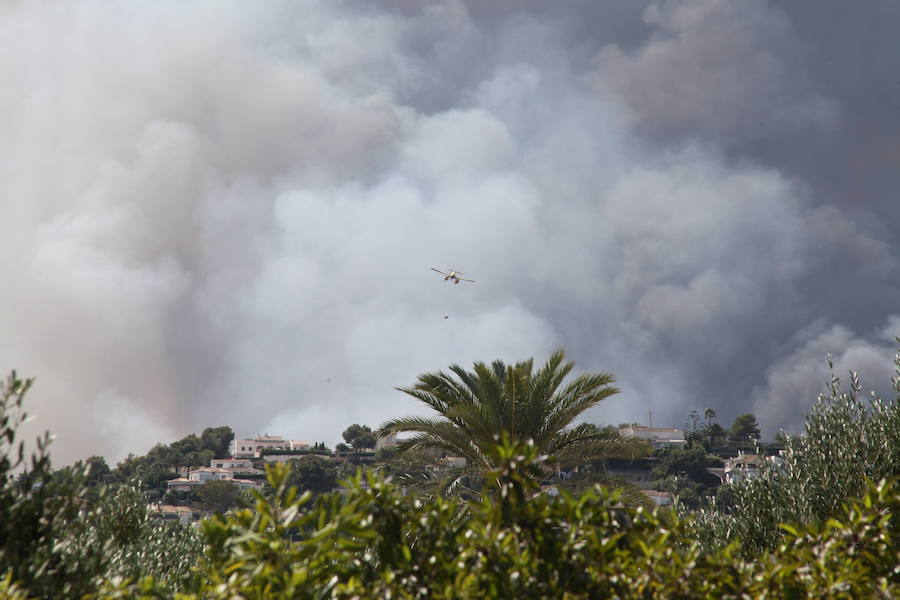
(475, 407)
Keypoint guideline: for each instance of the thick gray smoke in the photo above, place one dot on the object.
(225, 213)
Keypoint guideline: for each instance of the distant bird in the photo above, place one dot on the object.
(446, 316)
(453, 275)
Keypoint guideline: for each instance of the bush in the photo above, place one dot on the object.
(36, 509)
(56, 543)
(521, 543)
(847, 442)
(514, 541)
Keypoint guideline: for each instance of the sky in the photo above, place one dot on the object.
(225, 213)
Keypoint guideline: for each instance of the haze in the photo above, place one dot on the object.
(224, 213)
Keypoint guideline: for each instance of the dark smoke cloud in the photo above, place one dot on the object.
(225, 213)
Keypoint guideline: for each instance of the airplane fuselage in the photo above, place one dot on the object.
(452, 275)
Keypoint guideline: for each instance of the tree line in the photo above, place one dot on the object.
(822, 525)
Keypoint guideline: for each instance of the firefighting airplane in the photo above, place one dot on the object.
(453, 275)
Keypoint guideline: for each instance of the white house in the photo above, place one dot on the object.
(253, 447)
(659, 498)
(238, 467)
(659, 437)
(182, 514)
(197, 477)
(205, 474)
(231, 463)
(745, 467)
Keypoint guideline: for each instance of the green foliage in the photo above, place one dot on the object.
(416, 471)
(120, 532)
(847, 441)
(35, 507)
(476, 407)
(711, 435)
(386, 454)
(692, 427)
(218, 496)
(359, 436)
(313, 473)
(853, 555)
(518, 543)
(321, 448)
(585, 480)
(683, 472)
(512, 541)
(744, 429)
(688, 462)
(96, 470)
(56, 543)
(218, 440)
(160, 464)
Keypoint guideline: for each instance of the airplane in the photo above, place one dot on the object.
(453, 275)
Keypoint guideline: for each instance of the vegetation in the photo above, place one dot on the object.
(55, 542)
(848, 441)
(476, 407)
(824, 524)
(313, 473)
(159, 465)
(683, 472)
(745, 428)
(218, 496)
(359, 437)
(710, 435)
(375, 543)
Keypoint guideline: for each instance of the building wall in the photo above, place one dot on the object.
(251, 448)
(230, 463)
(205, 475)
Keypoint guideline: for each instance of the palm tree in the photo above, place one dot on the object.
(476, 407)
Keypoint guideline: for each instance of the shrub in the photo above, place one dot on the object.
(375, 543)
(514, 541)
(55, 543)
(847, 442)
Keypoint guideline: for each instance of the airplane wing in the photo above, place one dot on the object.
(464, 279)
(439, 271)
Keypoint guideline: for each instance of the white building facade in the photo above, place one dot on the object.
(203, 475)
(745, 467)
(253, 447)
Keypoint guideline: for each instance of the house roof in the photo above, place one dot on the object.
(183, 481)
(743, 459)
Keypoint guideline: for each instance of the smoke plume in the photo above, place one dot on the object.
(224, 213)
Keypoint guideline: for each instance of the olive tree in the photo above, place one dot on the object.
(847, 441)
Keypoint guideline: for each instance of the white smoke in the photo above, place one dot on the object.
(225, 213)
